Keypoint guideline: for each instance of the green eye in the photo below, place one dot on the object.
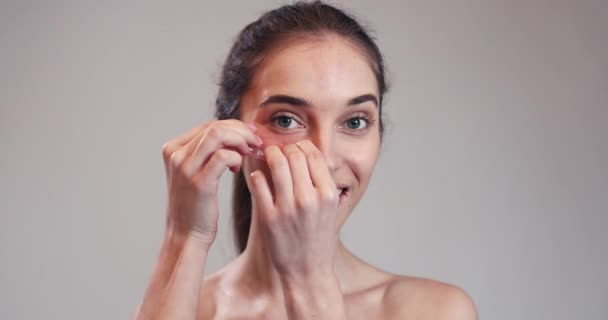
(283, 121)
(356, 123)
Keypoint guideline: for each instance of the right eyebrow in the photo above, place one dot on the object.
(285, 99)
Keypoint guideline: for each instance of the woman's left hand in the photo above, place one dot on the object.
(298, 217)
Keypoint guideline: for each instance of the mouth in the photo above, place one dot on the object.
(344, 192)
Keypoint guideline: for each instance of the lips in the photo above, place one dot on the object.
(343, 194)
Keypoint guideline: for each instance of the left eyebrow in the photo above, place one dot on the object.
(363, 98)
(299, 102)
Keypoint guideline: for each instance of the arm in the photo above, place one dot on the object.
(300, 228)
(194, 163)
(175, 285)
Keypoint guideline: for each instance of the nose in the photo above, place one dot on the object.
(324, 141)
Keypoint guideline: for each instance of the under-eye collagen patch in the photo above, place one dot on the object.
(257, 152)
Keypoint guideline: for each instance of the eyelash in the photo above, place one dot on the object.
(364, 116)
(368, 120)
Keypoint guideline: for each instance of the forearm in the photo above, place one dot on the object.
(317, 297)
(175, 284)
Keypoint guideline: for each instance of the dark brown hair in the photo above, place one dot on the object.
(253, 43)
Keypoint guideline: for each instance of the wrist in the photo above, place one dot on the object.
(313, 296)
(311, 285)
(176, 237)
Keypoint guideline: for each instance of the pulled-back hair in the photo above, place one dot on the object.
(253, 43)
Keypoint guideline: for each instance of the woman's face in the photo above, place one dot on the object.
(323, 90)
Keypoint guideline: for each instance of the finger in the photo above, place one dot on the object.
(179, 157)
(183, 139)
(208, 178)
(248, 131)
(302, 184)
(319, 172)
(280, 176)
(219, 128)
(213, 139)
(186, 137)
(172, 146)
(260, 190)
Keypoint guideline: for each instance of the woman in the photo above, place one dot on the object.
(299, 122)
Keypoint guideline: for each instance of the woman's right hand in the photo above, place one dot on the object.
(194, 163)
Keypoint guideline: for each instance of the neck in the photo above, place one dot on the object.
(256, 263)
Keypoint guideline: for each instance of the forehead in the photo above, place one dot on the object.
(325, 71)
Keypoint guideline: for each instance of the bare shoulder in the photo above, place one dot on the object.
(423, 298)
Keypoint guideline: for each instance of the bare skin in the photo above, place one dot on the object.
(313, 103)
(369, 293)
(326, 74)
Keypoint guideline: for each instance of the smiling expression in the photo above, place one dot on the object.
(324, 90)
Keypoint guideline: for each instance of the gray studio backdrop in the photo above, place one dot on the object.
(493, 174)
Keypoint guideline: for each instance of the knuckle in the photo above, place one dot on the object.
(305, 203)
(287, 209)
(329, 196)
(176, 159)
(213, 132)
(167, 151)
(222, 155)
(271, 221)
(166, 148)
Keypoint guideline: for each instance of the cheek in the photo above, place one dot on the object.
(271, 138)
(361, 163)
(364, 163)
